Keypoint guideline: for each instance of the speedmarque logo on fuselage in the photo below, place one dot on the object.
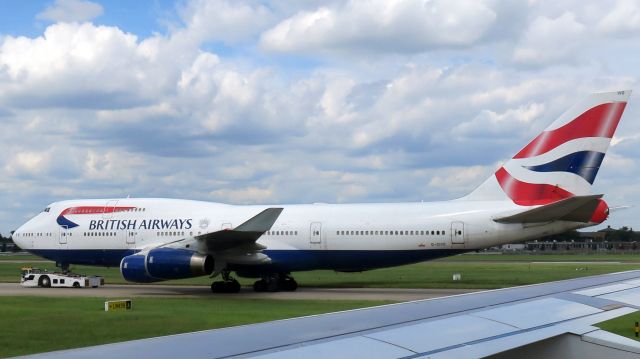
(119, 224)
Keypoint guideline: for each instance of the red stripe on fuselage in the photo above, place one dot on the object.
(94, 210)
(529, 194)
(599, 121)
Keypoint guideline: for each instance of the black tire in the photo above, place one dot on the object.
(273, 286)
(260, 286)
(76, 285)
(217, 287)
(290, 285)
(233, 286)
(44, 281)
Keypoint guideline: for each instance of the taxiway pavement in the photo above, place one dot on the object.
(180, 291)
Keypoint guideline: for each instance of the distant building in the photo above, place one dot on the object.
(513, 247)
(593, 236)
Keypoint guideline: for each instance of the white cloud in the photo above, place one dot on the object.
(624, 18)
(245, 195)
(489, 122)
(71, 11)
(382, 26)
(28, 163)
(95, 111)
(77, 65)
(549, 40)
(224, 20)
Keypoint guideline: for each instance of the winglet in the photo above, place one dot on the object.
(261, 222)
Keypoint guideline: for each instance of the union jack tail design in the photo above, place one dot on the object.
(563, 160)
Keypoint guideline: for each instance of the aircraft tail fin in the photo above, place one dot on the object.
(563, 160)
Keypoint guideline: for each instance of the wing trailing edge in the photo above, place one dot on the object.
(574, 209)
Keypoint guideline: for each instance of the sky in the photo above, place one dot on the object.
(300, 101)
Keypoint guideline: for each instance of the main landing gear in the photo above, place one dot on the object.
(276, 283)
(228, 284)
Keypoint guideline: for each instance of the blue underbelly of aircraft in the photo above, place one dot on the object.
(282, 260)
(347, 260)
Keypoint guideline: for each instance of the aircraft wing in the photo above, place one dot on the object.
(550, 320)
(245, 234)
(576, 209)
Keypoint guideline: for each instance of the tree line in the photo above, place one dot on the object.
(622, 234)
(6, 244)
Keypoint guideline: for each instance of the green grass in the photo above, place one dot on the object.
(434, 274)
(624, 325)
(19, 257)
(506, 257)
(38, 324)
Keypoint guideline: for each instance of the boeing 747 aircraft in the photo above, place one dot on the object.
(544, 189)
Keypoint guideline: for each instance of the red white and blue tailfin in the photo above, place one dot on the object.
(563, 160)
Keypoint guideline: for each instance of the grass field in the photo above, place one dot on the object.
(624, 325)
(481, 274)
(506, 257)
(38, 324)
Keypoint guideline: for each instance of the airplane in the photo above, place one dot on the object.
(544, 189)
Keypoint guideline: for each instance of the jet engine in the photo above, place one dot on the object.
(165, 263)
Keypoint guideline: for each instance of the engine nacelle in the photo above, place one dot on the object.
(165, 263)
(133, 269)
(601, 213)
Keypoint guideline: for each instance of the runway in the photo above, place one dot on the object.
(173, 291)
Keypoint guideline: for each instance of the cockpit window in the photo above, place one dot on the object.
(47, 209)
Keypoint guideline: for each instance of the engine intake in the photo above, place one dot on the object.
(165, 263)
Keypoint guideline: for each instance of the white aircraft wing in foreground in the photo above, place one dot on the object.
(551, 320)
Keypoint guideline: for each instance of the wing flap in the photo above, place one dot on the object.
(575, 209)
(245, 234)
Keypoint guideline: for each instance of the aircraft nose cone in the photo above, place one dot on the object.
(16, 237)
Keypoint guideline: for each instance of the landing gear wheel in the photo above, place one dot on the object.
(275, 283)
(289, 284)
(45, 282)
(227, 286)
(260, 286)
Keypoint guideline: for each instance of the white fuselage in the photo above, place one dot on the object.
(304, 237)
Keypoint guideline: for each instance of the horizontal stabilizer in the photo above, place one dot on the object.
(574, 209)
(245, 234)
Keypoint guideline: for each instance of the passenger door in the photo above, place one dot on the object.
(315, 234)
(63, 234)
(457, 233)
